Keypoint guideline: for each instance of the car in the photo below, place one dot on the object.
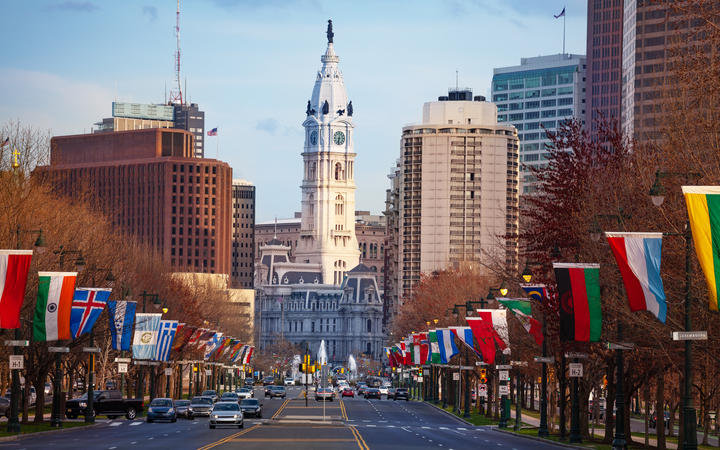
(383, 390)
(105, 403)
(324, 394)
(245, 393)
(276, 391)
(110, 385)
(229, 397)
(161, 409)
(653, 419)
(5, 407)
(373, 393)
(361, 388)
(267, 381)
(182, 408)
(200, 406)
(289, 381)
(347, 392)
(210, 393)
(249, 382)
(401, 394)
(251, 407)
(226, 413)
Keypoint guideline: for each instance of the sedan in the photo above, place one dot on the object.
(401, 394)
(161, 409)
(182, 408)
(347, 392)
(324, 394)
(200, 406)
(212, 394)
(372, 393)
(361, 389)
(276, 391)
(229, 397)
(5, 407)
(384, 390)
(245, 393)
(251, 407)
(226, 413)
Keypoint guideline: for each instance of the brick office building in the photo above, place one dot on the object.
(154, 189)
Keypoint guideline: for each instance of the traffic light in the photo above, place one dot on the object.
(605, 381)
(303, 368)
(483, 376)
(342, 370)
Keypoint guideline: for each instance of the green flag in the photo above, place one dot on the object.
(434, 353)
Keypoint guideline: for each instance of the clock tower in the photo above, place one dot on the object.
(327, 231)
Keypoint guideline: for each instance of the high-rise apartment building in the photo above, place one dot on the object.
(154, 189)
(536, 96)
(243, 234)
(189, 117)
(457, 189)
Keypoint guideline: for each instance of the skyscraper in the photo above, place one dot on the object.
(536, 96)
(243, 234)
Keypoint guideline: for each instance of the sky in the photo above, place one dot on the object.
(251, 65)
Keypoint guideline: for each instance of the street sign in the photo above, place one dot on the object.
(544, 359)
(620, 346)
(504, 389)
(480, 363)
(17, 362)
(420, 379)
(125, 360)
(503, 367)
(122, 367)
(426, 372)
(208, 372)
(168, 371)
(17, 343)
(504, 375)
(91, 349)
(518, 363)
(689, 335)
(456, 376)
(482, 390)
(58, 349)
(576, 370)
(578, 355)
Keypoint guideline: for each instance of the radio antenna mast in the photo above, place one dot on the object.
(176, 95)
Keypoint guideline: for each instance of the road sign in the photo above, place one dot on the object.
(504, 389)
(17, 343)
(58, 349)
(208, 372)
(620, 346)
(518, 363)
(545, 359)
(578, 355)
(91, 349)
(123, 360)
(17, 362)
(576, 370)
(689, 335)
(122, 367)
(420, 379)
(503, 367)
(456, 376)
(504, 375)
(482, 390)
(480, 363)
(168, 371)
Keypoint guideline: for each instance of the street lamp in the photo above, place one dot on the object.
(657, 194)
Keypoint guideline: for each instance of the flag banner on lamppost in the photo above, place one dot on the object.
(535, 291)
(248, 355)
(434, 353)
(579, 294)
(54, 306)
(466, 337)
(407, 346)
(703, 205)
(497, 318)
(212, 344)
(522, 310)
(638, 256)
(122, 317)
(446, 343)
(486, 335)
(14, 268)
(166, 334)
(87, 305)
(146, 334)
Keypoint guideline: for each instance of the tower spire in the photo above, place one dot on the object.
(330, 33)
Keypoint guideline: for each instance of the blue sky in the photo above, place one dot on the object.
(251, 65)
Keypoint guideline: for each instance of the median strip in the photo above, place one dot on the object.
(228, 438)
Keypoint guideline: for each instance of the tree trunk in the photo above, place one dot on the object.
(609, 404)
(646, 396)
(660, 409)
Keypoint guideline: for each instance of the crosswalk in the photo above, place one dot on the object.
(405, 426)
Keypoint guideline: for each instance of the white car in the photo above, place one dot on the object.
(383, 390)
(245, 393)
(289, 381)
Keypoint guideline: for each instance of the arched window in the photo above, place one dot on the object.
(311, 204)
(369, 349)
(339, 172)
(313, 167)
(369, 326)
(339, 205)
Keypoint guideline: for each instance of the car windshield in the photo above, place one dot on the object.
(229, 394)
(182, 402)
(209, 393)
(277, 388)
(96, 394)
(323, 390)
(201, 401)
(226, 407)
(249, 402)
(244, 389)
(161, 402)
(401, 390)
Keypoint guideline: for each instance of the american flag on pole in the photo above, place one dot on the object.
(165, 339)
(213, 132)
(87, 305)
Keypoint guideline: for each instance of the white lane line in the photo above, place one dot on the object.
(444, 428)
(116, 424)
(390, 426)
(372, 426)
(462, 429)
(133, 443)
(136, 423)
(425, 428)
(113, 448)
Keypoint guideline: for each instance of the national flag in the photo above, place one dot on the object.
(146, 335)
(87, 305)
(420, 349)
(54, 306)
(466, 337)
(638, 256)
(14, 268)
(407, 346)
(236, 352)
(394, 356)
(434, 355)
(486, 338)
(204, 339)
(122, 316)
(212, 344)
(562, 13)
(212, 132)
(182, 337)
(522, 309)
(446, 344)
(498, 320)
(579, 296)
(535, 291)
(166, 334)
(703, 205)
(4, 143)
(195, 337)
(248, 355)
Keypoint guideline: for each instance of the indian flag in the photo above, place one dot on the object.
(703, 205)
(54, 306)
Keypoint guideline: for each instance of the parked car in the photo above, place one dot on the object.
(347, 392)
(161, 409)
(200, 406)
(267, 381)
(245, 392)
(251, 407)
(210, 393)
(229, 397)
(289, 381)
(324, 394)
(373, 393)
(401, 394)
(653, 419)
(182, 408)
(5, 407)
(276, 391)
(226, 413)
(105, 403)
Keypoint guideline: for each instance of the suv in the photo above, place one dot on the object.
(401, 394)
(211, 394)
(275, 391)
(289, 381)
(267, 381)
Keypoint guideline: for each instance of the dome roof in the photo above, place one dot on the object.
(329, 86)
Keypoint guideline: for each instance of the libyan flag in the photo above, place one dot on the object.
(579, 294)
(522, 309)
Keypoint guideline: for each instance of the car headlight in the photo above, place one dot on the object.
(151, 409)
(214, 416)
(83, 405)
(236, 416)
(170, 411)
(190, 408)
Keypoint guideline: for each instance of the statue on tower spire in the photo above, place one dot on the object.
(330, 33)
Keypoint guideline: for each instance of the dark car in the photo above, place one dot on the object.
(361, 388)
(182, 408)
(276, 391)
(251, 407)
(105, 403)
(324, 394)
(210, 393)
(347, 392)
(5, 407)
(161, 409)
(401, 394)
(249, 382)
(200, 406)
(653, 419)
(229, 397)
(267, 381)
(372, 393)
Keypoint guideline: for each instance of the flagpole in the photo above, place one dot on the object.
(564, 17)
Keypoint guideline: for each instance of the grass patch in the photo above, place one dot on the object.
(36, 427)
(475, 418)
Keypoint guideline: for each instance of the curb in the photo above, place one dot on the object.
(449, 414)
(40, 433)
(539, 439)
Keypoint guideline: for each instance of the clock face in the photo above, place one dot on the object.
(313, 137)
(339, 138)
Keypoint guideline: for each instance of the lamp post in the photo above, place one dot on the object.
(90, 411)
(141, 376)
(657, 195)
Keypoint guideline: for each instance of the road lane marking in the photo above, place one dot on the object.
(116, 424)
(277, 413)
(359, 439)
(136, 423)
(292, 440)
(228, 438)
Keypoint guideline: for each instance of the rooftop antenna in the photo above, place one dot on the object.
(275, 235)
(457, 84)
(176, 96)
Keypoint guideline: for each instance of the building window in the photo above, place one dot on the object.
(339, 205)
(369, 326)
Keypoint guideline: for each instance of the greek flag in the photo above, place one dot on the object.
(122, 315)
(168, 328)
(146, 334)
(213, 344)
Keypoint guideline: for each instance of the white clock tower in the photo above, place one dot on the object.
(327, 231)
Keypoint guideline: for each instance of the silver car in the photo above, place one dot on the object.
(226, 413)
(200, 406)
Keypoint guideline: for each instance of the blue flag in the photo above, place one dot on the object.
(146, 335)
(446, 342)
(122, 316)
(536, 291)
(213, 344)
(166, 335)
(87, 305)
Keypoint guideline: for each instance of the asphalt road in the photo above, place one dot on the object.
(348, 424)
